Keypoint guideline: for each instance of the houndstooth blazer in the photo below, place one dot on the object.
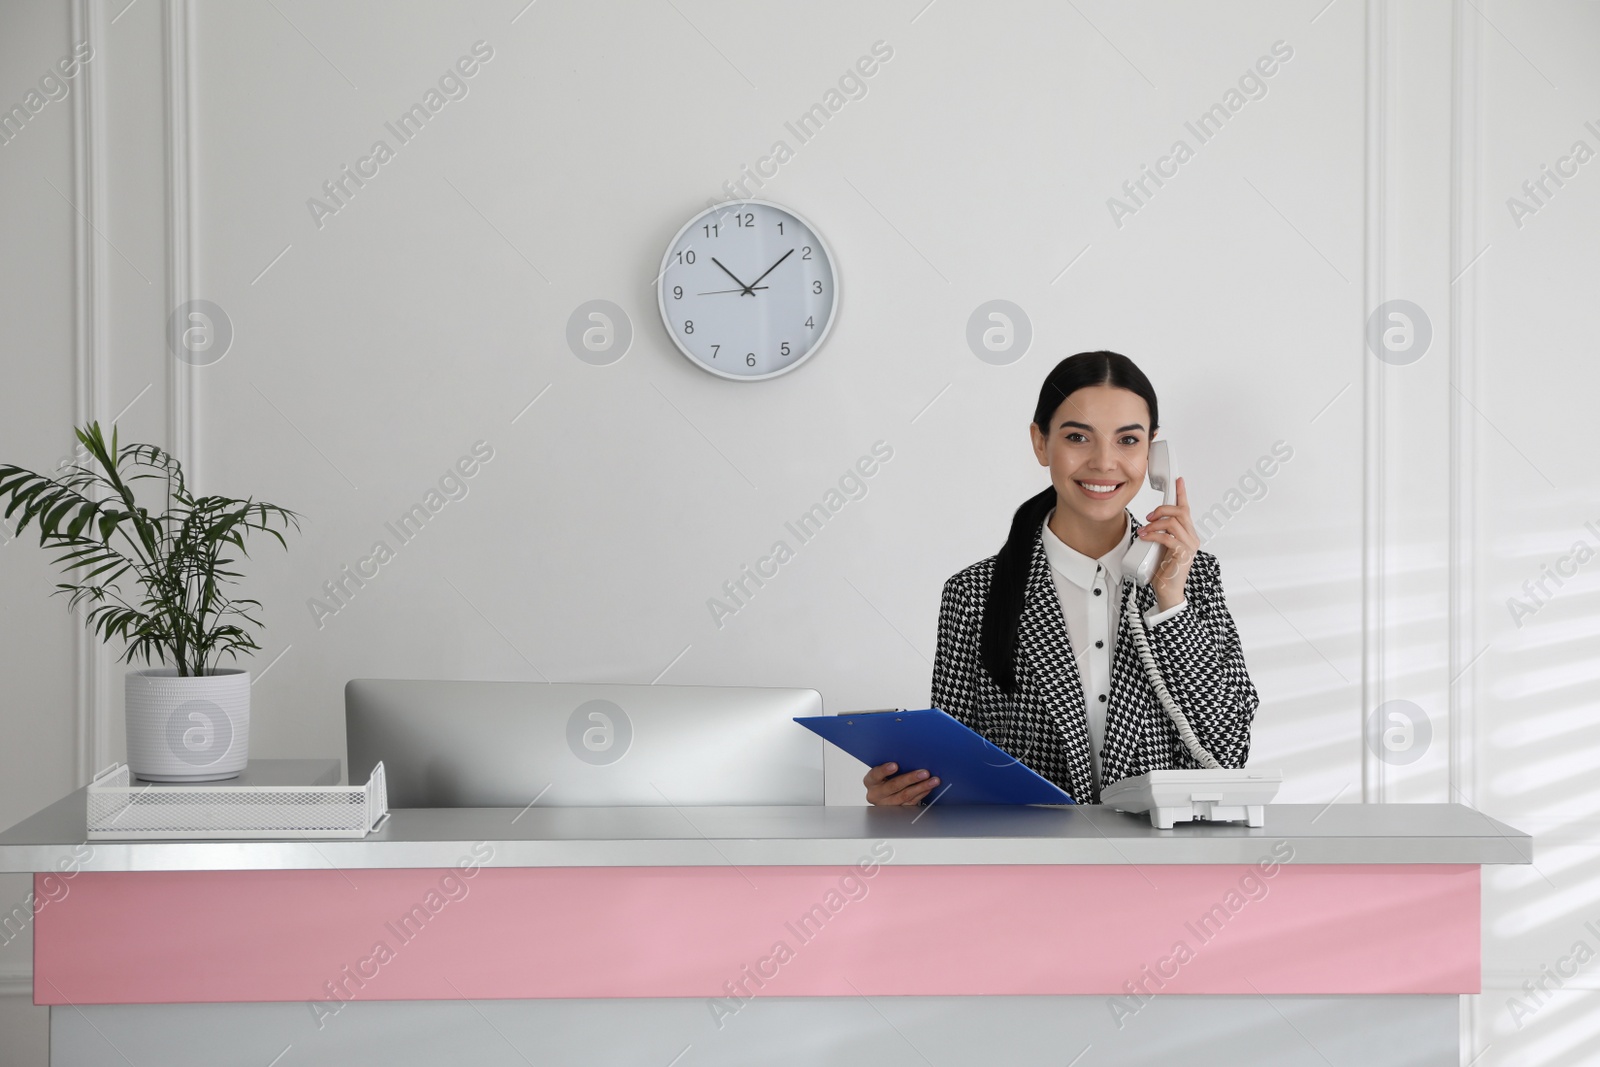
(1044, 723)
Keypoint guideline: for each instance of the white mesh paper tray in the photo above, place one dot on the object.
(119, 810)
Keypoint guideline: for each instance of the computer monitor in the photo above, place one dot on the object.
(501, 744)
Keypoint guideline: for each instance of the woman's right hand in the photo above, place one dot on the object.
(904, 789)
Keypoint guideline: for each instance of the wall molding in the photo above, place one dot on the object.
(183, 424)
(1374, 557)
(91, 356)
(91, 348)
(1465, 174)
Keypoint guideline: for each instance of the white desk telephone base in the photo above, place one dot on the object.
(1226, 795)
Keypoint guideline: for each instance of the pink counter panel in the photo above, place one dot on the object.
(794, 931)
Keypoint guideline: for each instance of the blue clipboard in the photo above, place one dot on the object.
(971, 769)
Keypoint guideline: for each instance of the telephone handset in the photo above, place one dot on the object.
(1214, 792)
(1139, 562)
(1139, 566)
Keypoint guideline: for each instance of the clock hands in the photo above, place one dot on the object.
(772, 268)
(714, 292)
(748, 290)
(742, 286)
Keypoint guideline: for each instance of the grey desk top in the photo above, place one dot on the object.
(782, 835)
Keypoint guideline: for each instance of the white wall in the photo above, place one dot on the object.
(424, 316)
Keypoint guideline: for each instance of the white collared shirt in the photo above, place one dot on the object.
(1090, 592)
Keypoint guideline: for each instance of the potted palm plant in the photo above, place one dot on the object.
(189, 719)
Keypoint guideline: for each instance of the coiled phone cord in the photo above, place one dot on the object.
(1141, 645)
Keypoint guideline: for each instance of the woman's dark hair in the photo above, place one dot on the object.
(1002, 611)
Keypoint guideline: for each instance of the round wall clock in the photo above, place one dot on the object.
(748, 290)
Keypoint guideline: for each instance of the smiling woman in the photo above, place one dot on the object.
(1036, 650)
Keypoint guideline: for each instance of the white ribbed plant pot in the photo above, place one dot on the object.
(188, 729)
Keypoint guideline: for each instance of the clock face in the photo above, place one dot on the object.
(748, 290)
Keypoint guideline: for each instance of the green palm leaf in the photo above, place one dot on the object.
(180, 612)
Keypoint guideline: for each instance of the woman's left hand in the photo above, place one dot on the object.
(1171, 527)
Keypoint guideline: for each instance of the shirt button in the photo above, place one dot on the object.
(1099, 644)
(1102, 698)
(1097, 590)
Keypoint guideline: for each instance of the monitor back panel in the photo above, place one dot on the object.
(501, 744)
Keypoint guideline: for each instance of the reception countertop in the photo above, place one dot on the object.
(810, 835)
